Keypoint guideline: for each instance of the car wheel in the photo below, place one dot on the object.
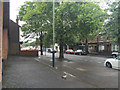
(108, 65)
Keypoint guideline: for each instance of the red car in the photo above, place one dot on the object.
(69, 51)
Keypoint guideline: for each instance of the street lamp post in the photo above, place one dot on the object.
(53, 37)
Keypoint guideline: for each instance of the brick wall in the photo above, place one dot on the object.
(5, 30)
(1, 29)
(14, 48)
(5, 44)
(32, 53)
(98, 39)
(102, 41)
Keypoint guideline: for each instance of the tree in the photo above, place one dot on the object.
(112, 26)
(36, 16)
(90, 20)
(63, 21)
(65, 16)
(77, 20)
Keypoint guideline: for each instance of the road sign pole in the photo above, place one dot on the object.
(53, 36)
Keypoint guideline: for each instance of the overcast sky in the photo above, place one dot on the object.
(14, 8)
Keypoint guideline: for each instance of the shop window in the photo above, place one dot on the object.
(101, 47)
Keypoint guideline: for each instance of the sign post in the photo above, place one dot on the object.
(53, 37)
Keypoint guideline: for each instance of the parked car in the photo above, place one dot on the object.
(50, 50)
(78, 52)
(115, 54)
(69, 51)
(113, 63)
(83, 53)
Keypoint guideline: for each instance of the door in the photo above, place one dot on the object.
(116, 62)
(118, 58)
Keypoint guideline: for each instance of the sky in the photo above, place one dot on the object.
(14, 8)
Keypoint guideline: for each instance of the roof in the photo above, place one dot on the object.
(11, 21)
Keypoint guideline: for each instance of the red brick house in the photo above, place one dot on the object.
(102, 45)
(1, 31)
(4, 27)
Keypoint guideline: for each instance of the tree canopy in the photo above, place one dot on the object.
(36, 16)
(112, 26)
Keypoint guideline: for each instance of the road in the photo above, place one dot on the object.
(89, 69)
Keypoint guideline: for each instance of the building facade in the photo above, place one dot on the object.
(1, 31)
(4, 27)
(14, 45)
(102, 45)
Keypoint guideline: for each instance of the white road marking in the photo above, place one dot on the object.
(69, 74)
(42, 62)
(56, 67)
(37, 60)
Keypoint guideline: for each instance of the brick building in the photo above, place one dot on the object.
(4, 27)
(99, 45)
(102, 45)
(9, 36)
(1, 31)
(14, 46)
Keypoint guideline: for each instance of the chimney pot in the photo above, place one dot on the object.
(17, 20)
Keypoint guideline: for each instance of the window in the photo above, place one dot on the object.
(115, 47)
(118, 58)
(90, 47)
(101, 47)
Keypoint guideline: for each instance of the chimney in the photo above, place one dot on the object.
(17, 20)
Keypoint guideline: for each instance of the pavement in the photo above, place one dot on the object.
(72, 72)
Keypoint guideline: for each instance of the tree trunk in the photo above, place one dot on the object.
(86, 46)
(41, 45)
(61, 56)
(97, 45)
